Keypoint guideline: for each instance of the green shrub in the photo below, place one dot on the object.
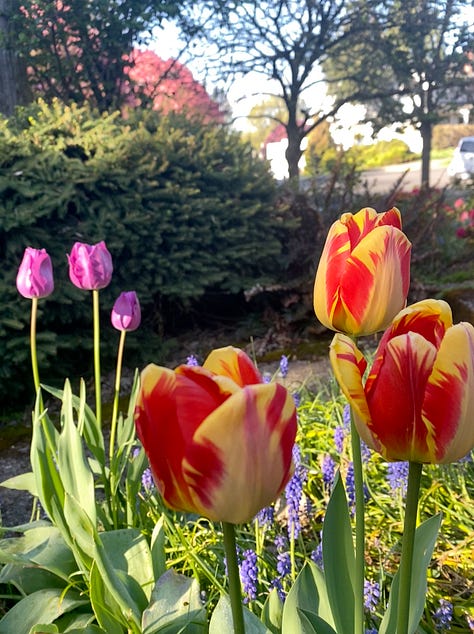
(381, 153)
(184, 208)
(362, 157)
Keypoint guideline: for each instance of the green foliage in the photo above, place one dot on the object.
(381, 153)
(184, 209)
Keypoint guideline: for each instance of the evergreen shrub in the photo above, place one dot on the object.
(183, 207)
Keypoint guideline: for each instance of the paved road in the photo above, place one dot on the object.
(382, 179)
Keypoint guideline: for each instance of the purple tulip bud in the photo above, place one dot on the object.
(90, 266)
(35, 275)
(126, 313)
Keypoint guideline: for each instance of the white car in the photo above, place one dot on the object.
(462, 163)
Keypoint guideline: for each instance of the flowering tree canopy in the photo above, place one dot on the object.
(78, 50)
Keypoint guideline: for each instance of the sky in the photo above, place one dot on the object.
(243, 93)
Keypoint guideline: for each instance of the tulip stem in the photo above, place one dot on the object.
(34, 356)
(359, 530)
(98, 399)
(118, 376)
(234, 577)
(408, 542)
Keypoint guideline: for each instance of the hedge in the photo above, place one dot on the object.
(184, 209)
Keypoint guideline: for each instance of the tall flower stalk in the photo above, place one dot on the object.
(90, 269)
(408, 542)
(235, 592)
(125, 317)
(359, 618)
(97, 375)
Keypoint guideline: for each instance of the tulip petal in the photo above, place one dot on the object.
(429, 318)
(233, 363)
(330, 270)
(375, 282)
(170, 408)
(395, 391)
(252, 436)
(449, 402)
(349, 365)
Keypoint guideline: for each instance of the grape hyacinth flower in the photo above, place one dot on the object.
(296, 398)
(284, 366)
(294, 494)
(328, 469)
(443, 615)
(346, 417)
(397, 477)
(350, 485)
(249, 575)
(281, 543)
(371, 595)
(191, 360)
(339, 436)
(147, 480)
(283, 564)
(266, 516)
(276, 583)
(317, 555)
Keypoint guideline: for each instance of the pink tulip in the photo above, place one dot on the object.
(35, 275)
(90, 266)
(126, 314)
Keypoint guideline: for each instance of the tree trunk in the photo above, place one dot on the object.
(13, 85)
(293, 154)
(426, 130)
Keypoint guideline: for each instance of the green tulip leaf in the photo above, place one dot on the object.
(43, 452)
(22, 482)
(308, 593)
(221, 619)
(425, 540)
(312, 624)
(106, 609)
(44, 606)
(339, 559)
(75, 473)
(41, 547)
(175, 606)
(42, 628)
(87, 422)
(128, 551)
(272, 612)
(158, 555)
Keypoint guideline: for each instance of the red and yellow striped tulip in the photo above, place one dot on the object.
(363, 275)
(418, 401)
(219, 441)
